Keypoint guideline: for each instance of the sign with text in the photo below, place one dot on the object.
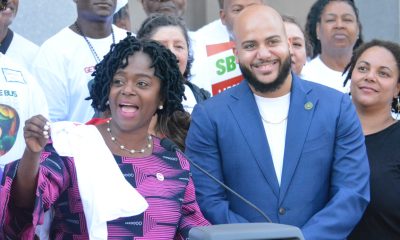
(224, 70)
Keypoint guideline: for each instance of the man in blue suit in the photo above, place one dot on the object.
(293, 148)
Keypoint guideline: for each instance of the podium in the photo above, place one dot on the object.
(246, 231)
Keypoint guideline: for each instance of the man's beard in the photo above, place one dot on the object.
(261, 87)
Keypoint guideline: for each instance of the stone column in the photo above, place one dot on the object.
(380, 19)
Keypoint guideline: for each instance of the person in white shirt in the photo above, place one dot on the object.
(171, 32)
(334, 30)
(65, 62)
(214, 67)
(19, 49)
(20, 98)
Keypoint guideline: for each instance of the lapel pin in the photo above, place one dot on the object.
(308, 106)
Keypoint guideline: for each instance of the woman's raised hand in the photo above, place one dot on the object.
(36, 133)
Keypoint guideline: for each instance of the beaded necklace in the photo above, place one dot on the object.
(122, 147)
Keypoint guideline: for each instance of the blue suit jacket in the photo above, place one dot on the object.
(324, 187)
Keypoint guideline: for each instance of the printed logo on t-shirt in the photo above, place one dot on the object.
(15, 76)
(8, 93)
(9, 124)
(89, 69)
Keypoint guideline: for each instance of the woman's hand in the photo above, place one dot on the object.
(36, 133)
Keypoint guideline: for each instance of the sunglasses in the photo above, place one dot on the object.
(3, 5)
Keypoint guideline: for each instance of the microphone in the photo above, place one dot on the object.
(171, 146)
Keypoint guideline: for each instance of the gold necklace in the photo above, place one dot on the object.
(122, 147)
(270, 122)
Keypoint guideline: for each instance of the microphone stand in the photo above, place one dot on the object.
(169, 145)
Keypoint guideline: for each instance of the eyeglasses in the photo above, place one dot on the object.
(3, 5)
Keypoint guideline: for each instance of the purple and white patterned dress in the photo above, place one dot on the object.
(163, 178)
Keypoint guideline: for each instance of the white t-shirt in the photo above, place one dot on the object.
(316, 71)
(22, 51)
(63, 67)
(20, 98)
(214, 70)
(274, 113)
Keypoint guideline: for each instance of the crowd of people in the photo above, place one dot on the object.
(99, 125)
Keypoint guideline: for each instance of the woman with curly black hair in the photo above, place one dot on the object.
(112, 180)
(171, 32)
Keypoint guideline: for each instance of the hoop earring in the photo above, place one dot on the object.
(398, 104)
